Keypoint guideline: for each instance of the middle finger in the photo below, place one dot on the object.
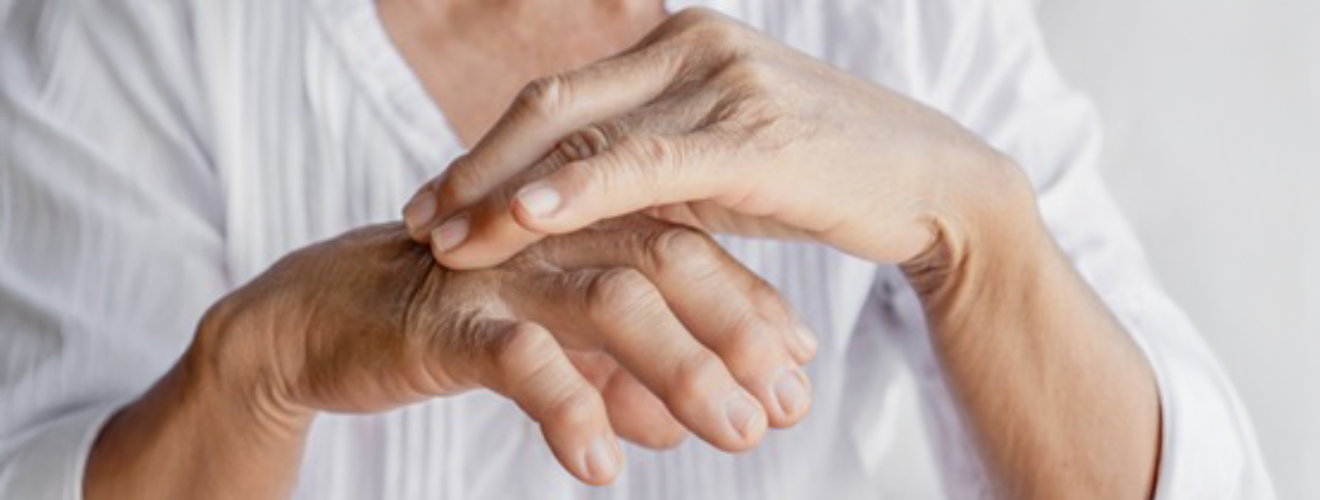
(621, 312)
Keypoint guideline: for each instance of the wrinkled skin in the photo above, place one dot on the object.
(709, 123)
(633, 325)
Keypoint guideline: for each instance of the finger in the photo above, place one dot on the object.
(545, 110)
(635, 412)
(483, 236)
(640, 171)
(620, 311)
(530, 367)
(800, 337)
(714, 218)
(485, 233)
(725, 306)
(705, 286)
(638, 415)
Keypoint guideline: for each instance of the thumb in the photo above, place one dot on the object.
(637, 173)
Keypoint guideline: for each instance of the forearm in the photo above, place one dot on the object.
(1062, 403)
(203, 431)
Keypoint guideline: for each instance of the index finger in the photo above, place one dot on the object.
(546, 110)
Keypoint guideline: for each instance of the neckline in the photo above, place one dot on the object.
(380, 68)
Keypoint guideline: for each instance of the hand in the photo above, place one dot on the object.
(654, 330)
(707, 123)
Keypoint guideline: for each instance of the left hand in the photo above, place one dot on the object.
(706, 122)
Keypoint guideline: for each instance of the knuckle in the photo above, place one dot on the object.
(692, 383)
(544, 98)
(575, 408)
(526, 360)
(683, 241)
(617, 292)
(461, 182)
(747, 75)
(591, 141)
(524, 351)
(687, 18)
(648, 149)
(632, 164)
(714, 33)
(767, 299)
(748, 346)
(684, 251)
(586, 177)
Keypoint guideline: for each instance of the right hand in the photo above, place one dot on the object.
(631, 326)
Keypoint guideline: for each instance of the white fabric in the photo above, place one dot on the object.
(154, 155)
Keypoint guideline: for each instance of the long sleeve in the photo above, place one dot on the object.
(984, 63)
(109, 247)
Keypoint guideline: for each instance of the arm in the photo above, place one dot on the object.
(110, 252)
(201, 431)
(1056, 395)
(772, 143)
(590, 334)
(1206, 447)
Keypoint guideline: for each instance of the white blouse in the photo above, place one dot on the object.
(155, 155)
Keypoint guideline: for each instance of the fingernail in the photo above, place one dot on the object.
(450, 234)
(791, 390)
(600, 460)
(419, 212)
(740, 409)
(808, 338)
(539, 199)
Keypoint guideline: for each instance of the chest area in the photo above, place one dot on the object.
(473, 61)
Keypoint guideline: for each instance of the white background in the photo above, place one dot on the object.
(1212, 113)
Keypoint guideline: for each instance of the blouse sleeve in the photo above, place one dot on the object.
(110, 247)
(984, 63)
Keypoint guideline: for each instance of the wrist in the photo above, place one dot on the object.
(210, 420)
(987, 233)
(236, 361)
